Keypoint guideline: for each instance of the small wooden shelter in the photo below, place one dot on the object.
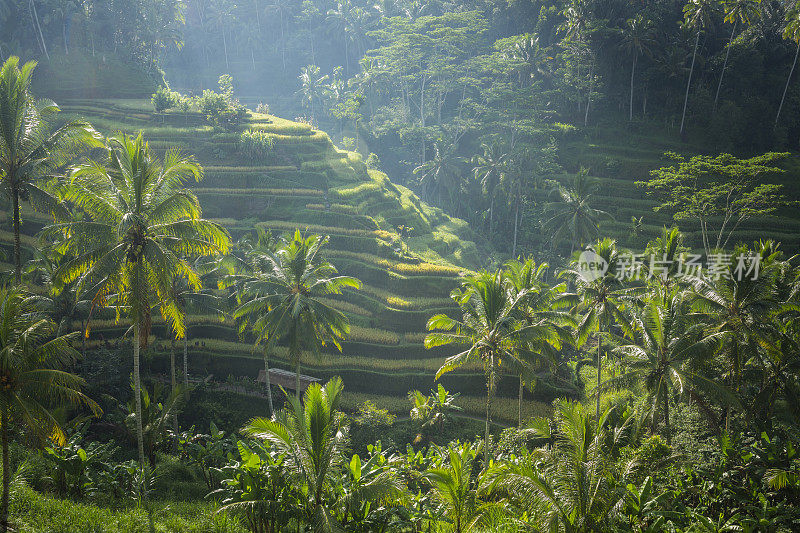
(285, 379)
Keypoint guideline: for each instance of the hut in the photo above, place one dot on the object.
(285, 379)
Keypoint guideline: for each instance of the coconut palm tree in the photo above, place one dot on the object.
(573, 214)
(31, 358)
(637, 37)
(191, 300)
(698, 15)
(490, 330)
(565, 486)
(741, 308)
(141, 224)
(736, 11)
(221, 19)
(599, 300)
(30, 150)
(284, 11)
(285, 302)
(251, 260)
(668, 345)
(544, 305)
(791, 32)
(313, 88)
(350, 24)
(489, 169)
(668, 253)
(440, 174)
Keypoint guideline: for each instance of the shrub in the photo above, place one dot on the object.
(220, 111)
(164, 99)
(257, 145)
(373, 162)
(262, 108)
(184, 104)
(371, 415)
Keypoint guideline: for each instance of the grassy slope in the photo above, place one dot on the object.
(311, 185)
(619, 155)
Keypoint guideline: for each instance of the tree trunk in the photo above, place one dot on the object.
(173, 380)
(666, 418)
(589, 97)
(283, 43)
(66, 41)
(39, 28)
(17, 260)
(724, 66)
(688, 85)
(185, 362)
(599, 369)
(489, 393)
(516, 225)
(297, 379)
(633, 70)
(225, 48)
(491, 214)
(346, 56)
(268, 385)
(6, 472)
(794, 63)
(519, 424)
(137, 392)
(172, 365)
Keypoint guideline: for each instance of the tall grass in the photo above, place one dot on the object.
(32, 512)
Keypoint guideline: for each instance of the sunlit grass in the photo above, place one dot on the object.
(32, 512)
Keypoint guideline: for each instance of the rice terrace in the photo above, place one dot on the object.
(413, 266)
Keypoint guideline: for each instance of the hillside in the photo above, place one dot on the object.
(311, 185)
(618, 155)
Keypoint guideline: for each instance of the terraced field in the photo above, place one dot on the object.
(618, 157)
(310, 184)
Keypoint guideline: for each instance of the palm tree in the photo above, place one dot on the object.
(285, 303)
(189, 299)
(543, 306)
(313, 87)
(573, 213)
(29, 150)
(284, 10)
(744, 11)
(637, 36)
(31, 358)
(140, 226)
(564, 486)
(313, 437)
(350, 24)
(668, 345)
(456, 484)
(791, 32)
(250, 261)
(670, 253)
(221, 19)
(599, 301)
(252, 39)
(698, 15)
(440, 174)
(741, 308)
(489, 169)
(489, 329)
